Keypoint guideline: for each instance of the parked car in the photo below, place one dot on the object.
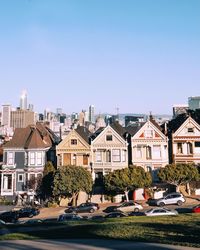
(129, 206)
(110, 209)
(196, 209)
(160, 211)
(83, 208)
(116, 215)
(2, 222)
(69, 217)
(10, 216)
(28, 212)
(173, 198)
(96, 217)
(136, 214)
(31, 222)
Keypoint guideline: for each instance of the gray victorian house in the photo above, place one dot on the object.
(24, 158)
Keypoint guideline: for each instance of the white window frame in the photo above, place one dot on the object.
(39, 158)
(139, 152)
(157, 151)
(124, 155)
(116, 155)
(5, 182)
(32, 158)
(10, 158)
(22, 178)
(98, 156)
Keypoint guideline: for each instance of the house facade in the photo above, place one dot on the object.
(24, 158)
(149, 147)
(109, 151)
(186, 142)
(74, 149)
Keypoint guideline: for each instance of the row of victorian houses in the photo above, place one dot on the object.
(109, 148)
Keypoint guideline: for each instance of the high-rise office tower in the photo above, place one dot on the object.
(22, 118)
(194, 102)
(6, 111)
(23, 100)
(91, 114)
(59, 111)
(30, 107)
(179, 109)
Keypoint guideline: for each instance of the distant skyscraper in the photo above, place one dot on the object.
(179, 109)
(82, 118)
(86, 116)
(22, 118)
(194, 102)
(23, 100)
(130, 120)
(91, 114)
(74, 116)
(59, 111)
(6, 111)
(30, 107)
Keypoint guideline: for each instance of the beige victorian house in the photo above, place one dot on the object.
(186, 142)
(149, 147)
(75, 149)
(109, 151)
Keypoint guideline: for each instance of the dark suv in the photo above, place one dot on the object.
(83, 208)
(173, 198)
(28, 212)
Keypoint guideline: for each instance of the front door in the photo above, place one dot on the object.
(67, 159)
(85, 160)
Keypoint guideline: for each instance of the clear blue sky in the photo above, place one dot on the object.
(138, 55)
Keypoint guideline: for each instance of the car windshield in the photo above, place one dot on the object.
(150, 210)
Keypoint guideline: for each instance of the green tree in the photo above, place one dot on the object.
(70, 180)
(46, 188)
(127, 179)
(179, 174)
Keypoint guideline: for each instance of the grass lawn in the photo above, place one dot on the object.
(180, 230)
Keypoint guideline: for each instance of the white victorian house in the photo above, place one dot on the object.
(109, 151)
(149, 147)
(186, 142)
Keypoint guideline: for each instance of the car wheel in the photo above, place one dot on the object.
(161, 204)
(30, 216)
(179, 203)
(136, 210)
(91, 210)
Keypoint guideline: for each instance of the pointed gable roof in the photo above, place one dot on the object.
(118, 128)
(188, 121)
(133, 129)
(158, 132)
(33, 136)
(104, 131)
(84, 133)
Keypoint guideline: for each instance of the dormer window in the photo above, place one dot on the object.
(108, 137)
(190, 130)
(148, 133)
(73, 142)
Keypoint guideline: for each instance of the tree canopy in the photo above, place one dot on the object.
(178, 174)
(124, 180)
(47, 180)
(70, 180)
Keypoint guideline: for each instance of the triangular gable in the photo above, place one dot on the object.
(157, 134)
(100, 139)
(66, 142)
(183, 129)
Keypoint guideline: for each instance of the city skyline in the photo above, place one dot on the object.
(138, 56)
